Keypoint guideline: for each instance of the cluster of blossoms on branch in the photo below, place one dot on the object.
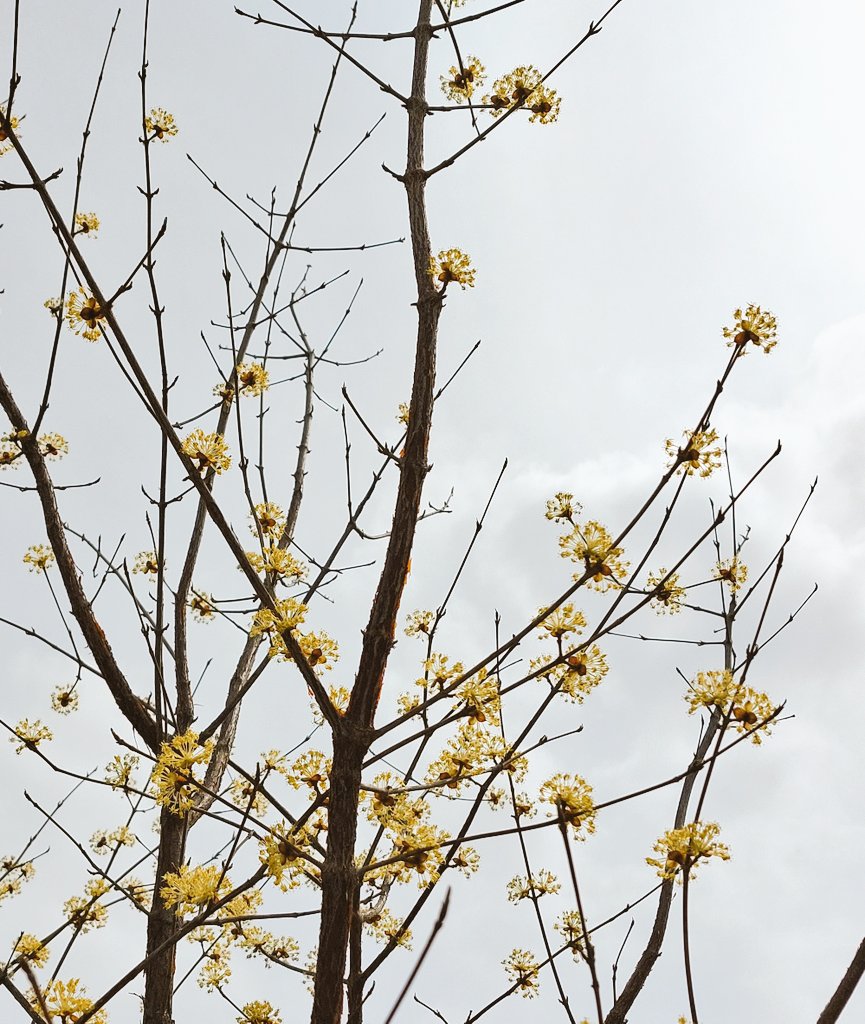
(522, 87)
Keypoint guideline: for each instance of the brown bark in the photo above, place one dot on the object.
(162, 925)
(352, 736)
(846, 988)
(130, 705)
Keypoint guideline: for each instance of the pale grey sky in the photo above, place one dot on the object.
(706, 156)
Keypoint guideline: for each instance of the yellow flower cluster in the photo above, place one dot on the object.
(522, 969)
(202, 607)
(28, 735)
(5, 144)
(459, 85)
(415, 841)
(755, 325)
(570, 927)
(191, 889)
(86, 224)
(687, 846)
(563, 507)
(10, 447)
(13, 874)
(259, 1012)
(385, 927)
(285, 852)
(575, 674)
(38, 558)
(747, 707)
(66, 1002)
(64, 700)
(29, 948)
(53, 446)
(86, 912)
(532, 886)
(118, 772)
(277, 561)
(452, 265)
(209, 450)
(159, 124)
(173, 778)
(732, 572)
(419, 622)
(667, 592)
(269, 517)
(562, 622)
(592, 545)
(696, 455)
(573, 795)
(147, 563)
(252, 381)
(84, 315)
(523, 87)
(104, 842)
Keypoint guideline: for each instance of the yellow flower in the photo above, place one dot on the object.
(252, 380)
(86, 224)
(280, 851)
(29, 948)
(522, 968)
(732, 572)
(118, 772)
(666, 592)
(747, 707)
(30, 734)
(103, 842)
(173, 776)
(523, 87)
(570, 927)
(592, 544)
(67, 1003)
(573, 795)
(278, 561)
(84, 315)
(85, 912)
(5, 144)
(201, 606)
(563, 506)
(191, 889)
(695, 455)
(9, 454)
(54, 306)
(64, 700)
(39, 558)
(209, 450)
(460, 85)
(259, 1012)
(755, 325)
(533, 886)
(147, 563)
(53, 446)
(402, 416)
(688, 845)
(419, 622)
(452, 265)
(577, 674)
(384, 927)
(159, 124)
(564, 620)
(270, 518)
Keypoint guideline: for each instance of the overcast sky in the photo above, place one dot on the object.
(707, 156)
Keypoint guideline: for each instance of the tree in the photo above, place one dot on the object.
(350, 833)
